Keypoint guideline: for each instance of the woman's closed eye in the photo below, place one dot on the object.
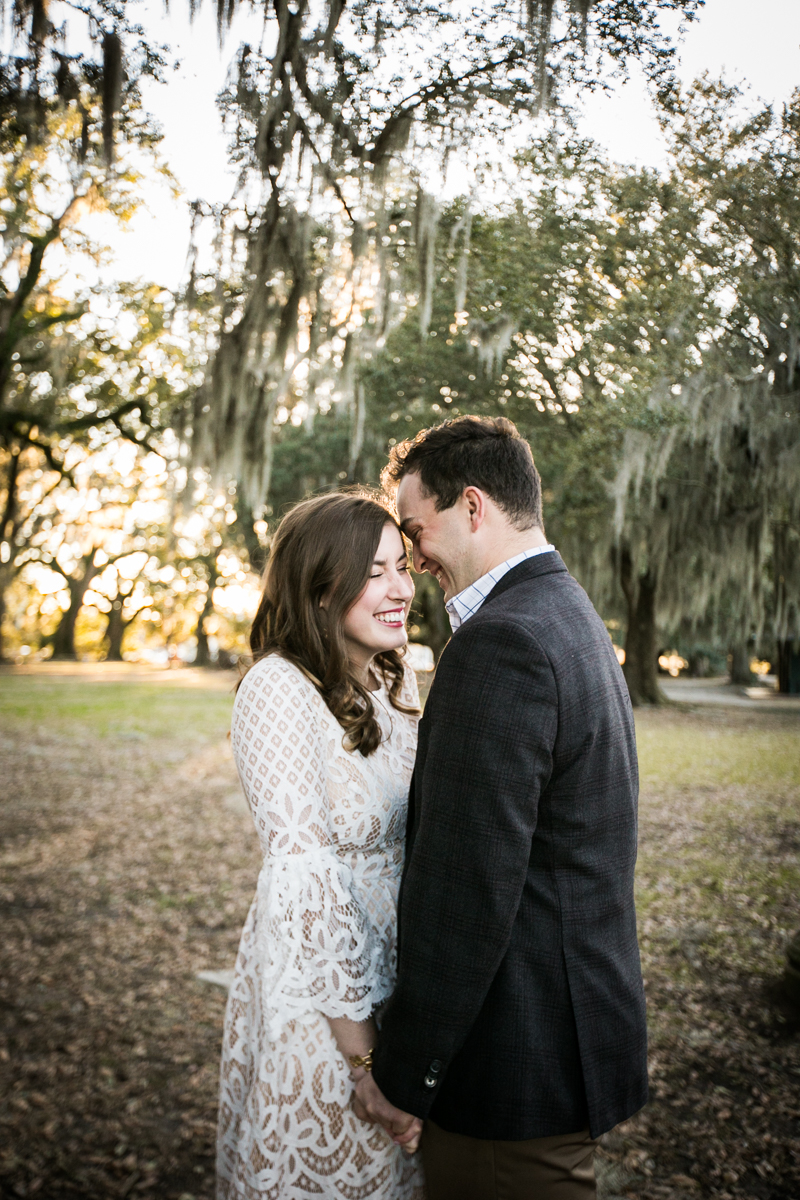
(402, 565)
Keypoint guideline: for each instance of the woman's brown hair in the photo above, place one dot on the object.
(325, 548)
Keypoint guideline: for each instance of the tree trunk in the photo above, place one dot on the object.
(739, 663)
(115, 631)
(8, 528)
(63, 640)
(6, 578)
(203, 657)
(641, 644)
(244, 517)
(789, 667)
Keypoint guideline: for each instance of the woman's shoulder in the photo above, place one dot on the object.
(276, 676)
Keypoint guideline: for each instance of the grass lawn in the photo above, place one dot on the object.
(69, 705)
(129, 862)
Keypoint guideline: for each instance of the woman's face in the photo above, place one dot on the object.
(377, 620)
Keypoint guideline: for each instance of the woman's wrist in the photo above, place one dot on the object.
(359, 1061)
(354, 1038)
(360, 1065)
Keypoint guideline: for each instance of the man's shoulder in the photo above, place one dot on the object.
(538, 591)
(491, 654)
(536, 619)
(527, 601)
(498, 623)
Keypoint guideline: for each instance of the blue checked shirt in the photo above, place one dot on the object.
(463, 606)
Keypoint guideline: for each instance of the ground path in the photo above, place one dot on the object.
(720, 691)
(128, 863)
(125, 672)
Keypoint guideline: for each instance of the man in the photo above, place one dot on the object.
(517, 1027)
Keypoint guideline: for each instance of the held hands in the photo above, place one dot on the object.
(355, 1040)
(370, 1104)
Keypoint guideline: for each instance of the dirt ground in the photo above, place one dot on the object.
(129, 862)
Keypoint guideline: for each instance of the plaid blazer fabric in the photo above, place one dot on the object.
(519, 1007)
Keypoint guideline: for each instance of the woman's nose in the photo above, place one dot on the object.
(402, 586)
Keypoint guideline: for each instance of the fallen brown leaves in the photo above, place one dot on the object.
(129, 864)
(719, 895)
(127, 868)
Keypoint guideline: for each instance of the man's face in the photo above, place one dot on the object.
(441, 540)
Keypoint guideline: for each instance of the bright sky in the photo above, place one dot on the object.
(759, 44)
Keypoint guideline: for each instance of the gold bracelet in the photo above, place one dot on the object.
(361, 1060)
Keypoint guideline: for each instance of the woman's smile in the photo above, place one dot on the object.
(393, 616)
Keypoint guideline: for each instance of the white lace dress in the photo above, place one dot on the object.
(319, 941)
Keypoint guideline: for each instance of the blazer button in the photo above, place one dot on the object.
(430, 1081)
(435, 1067)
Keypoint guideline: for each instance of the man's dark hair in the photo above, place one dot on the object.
(482, 452)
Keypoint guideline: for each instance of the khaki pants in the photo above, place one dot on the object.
(465, 1168)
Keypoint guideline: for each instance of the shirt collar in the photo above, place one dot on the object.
(463, 606)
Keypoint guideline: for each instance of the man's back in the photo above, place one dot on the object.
(519, 977)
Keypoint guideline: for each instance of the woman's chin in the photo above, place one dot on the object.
(394, 642)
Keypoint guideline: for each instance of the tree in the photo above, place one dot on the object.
(39, 77)
(565, 311)
(710, 488)
(129, 542)
(85, 529)
(207, 552)
(115, 359)
(205, 569)
(330, 122)
(68, 370)
(118, 623)
(78, 582)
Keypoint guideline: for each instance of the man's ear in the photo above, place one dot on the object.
(476, 506)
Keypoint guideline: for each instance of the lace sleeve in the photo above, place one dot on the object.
(316, 949)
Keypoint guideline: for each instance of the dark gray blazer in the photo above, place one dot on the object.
(519, 1008)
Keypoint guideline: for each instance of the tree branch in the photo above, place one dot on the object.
(28, 282)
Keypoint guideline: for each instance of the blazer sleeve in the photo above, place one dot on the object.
(492, 723)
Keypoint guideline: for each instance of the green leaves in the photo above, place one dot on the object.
(343, 116)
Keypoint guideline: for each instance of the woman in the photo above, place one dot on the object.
(324, 737)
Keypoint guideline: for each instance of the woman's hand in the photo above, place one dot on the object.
(370, 1104)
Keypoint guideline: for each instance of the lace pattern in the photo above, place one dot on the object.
(319, 942)
(318, 951)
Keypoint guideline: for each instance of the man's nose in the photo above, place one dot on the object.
(418, 559)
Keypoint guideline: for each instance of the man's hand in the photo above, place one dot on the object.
(370, 1104)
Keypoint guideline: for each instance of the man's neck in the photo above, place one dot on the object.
(517, 542)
